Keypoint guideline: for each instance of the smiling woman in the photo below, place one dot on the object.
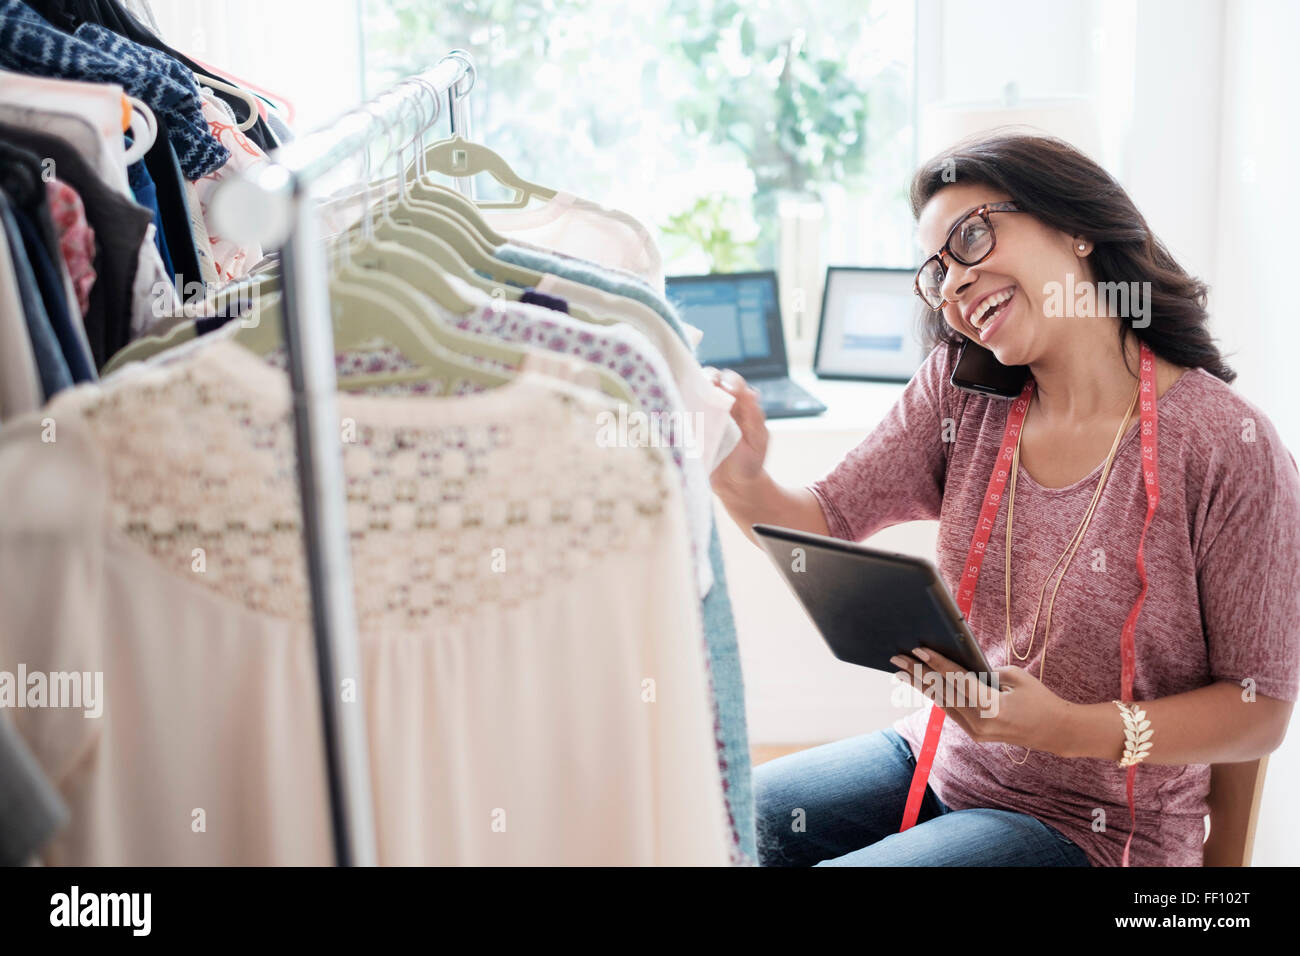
(1083, 232)
(1177, 610)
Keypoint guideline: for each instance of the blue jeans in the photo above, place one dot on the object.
(842, 804)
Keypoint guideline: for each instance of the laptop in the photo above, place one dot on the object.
(740, 316)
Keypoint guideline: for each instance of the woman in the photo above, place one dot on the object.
(1008, 221)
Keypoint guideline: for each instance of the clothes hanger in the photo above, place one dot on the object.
(183, 326)
(364, 264)
(474, 256)
(392, 260)
(428, 242)
(471, 255)
(253, 112)
(454, 215)
(423, 189)
(143, 125)
(464, 213)
(458, 156)
(434, 249)
(407, 275)
(383, 283)
(397, 261)
(424, 233)
(383, 227)
(422, 186)
(364, 310)
(362, 317)
(441, 222)
(406, 271)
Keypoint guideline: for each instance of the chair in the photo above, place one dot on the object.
(1235, 791)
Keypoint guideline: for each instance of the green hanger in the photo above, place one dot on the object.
(454, 215)
(404, 274)
(184, 330)
(435, 248)
(148, 346)
(423, 189)
(439, 253)
(362, 315)
(251, 286)
(404, 269)
(458, 157)
(415, 279)
(437, 220)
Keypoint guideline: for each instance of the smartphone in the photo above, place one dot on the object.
(978, 370)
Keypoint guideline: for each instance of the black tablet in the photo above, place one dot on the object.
(870, 605)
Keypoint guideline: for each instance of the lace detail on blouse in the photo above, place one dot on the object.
(453, 505)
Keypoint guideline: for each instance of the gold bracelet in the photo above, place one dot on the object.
(1137, 734)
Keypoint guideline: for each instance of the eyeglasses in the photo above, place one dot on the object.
(969, 242)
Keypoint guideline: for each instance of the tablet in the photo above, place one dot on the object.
(870, 605)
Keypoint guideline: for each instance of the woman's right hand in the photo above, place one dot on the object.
(747, 491)
(745, 463)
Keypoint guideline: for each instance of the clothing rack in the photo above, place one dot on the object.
(274, 207)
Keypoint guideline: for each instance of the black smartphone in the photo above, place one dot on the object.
(978, 370)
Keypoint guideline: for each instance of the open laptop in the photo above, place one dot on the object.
(740, 316)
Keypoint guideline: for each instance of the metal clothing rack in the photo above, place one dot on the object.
(274, 207)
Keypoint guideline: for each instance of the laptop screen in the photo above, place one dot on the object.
(739, 316)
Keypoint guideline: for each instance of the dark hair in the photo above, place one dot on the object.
(1064, 189)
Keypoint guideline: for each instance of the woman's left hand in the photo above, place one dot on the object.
(1021, 712)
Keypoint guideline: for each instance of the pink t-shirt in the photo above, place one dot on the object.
(1222, 558)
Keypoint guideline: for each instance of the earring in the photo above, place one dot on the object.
(1082, 246)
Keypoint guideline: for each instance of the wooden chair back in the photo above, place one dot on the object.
(1235, 791)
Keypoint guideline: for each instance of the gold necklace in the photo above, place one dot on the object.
(1067, 557)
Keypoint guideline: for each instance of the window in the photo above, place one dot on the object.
(712, 122)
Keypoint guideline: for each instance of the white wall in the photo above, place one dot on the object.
(1171, 164)
(1258, 206)
(1258, 142)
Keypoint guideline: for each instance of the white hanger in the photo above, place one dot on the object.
(144, 130)
(459, 157)
(253, 112)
